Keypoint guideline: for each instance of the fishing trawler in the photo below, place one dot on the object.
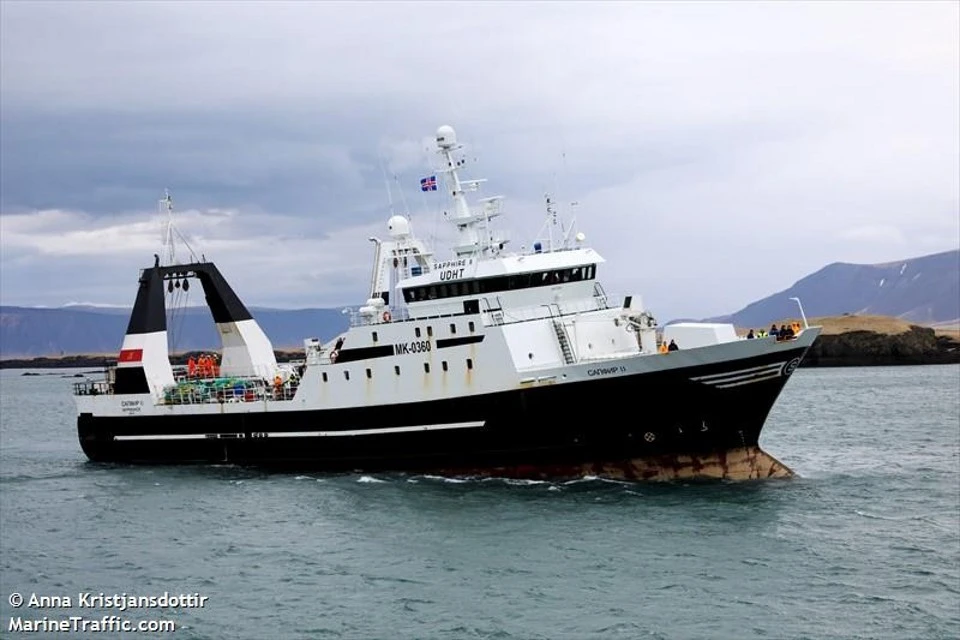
(485, 361)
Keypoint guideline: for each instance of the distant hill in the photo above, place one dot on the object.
(923, 290)
(28, 331)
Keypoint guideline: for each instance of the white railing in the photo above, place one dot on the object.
(221, 390)
(92, 388)
(511, 315)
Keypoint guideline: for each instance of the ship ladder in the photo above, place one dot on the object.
(564, 341)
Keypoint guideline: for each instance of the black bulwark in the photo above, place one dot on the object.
(149, 311)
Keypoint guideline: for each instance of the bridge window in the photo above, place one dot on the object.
(499, 284)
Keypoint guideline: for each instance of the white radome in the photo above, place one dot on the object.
(399, 227)
(446, 137)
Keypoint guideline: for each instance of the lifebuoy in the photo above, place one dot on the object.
(386, 316)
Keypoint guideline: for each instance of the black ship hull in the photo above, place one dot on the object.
(630, 426)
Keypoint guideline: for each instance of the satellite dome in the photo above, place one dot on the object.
(446, 137)
(399, 227)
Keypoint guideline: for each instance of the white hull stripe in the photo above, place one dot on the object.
(306, 434)
(741, 376)
(769, 376)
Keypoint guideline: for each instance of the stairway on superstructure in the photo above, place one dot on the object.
(564, 342)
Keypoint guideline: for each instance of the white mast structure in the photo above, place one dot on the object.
(169, 246)
(473, 227)
(169, 232)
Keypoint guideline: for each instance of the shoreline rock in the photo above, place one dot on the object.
(918, 345)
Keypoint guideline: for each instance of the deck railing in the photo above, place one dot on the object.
(92, 388)
(223, 390)
(206, 390)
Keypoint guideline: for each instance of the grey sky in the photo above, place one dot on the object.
(718, 151)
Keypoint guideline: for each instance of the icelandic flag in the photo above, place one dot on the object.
(428, 184)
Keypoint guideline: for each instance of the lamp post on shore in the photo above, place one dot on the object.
(802, 314)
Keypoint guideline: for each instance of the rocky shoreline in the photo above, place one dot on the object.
(918, 345)
(861, 348)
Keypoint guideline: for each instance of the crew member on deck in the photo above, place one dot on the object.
(773, 330)
(191, 368)
(750, 335)
(673, 346)
(663, 347)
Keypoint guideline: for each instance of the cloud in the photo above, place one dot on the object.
(276, 260)
(719, 151)
(874, 234)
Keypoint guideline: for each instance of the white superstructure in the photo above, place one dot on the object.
(482, 320)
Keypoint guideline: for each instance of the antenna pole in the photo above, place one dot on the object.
(168, 243)
(403, 198)
(387, 183)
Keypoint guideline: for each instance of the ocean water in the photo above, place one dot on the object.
(865, 543)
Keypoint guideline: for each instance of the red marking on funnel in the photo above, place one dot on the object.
(131, 355)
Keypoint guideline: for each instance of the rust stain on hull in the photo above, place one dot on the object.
(742, 463)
